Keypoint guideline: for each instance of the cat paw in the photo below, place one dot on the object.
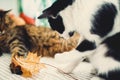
(15, 69)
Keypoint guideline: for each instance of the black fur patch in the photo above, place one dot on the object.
(59, 5)
(104, 19)
(20, 33)
(113, 44)
(112, 75)
(15, 69)
(71, 33)
(57, 24)
(86, 45)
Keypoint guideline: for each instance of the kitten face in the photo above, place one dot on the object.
(3, 21)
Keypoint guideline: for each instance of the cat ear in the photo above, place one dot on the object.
(5, 12)
(46, 13)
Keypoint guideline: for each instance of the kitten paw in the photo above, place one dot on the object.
(15, 69)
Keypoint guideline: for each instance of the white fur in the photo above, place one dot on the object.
(102, 63)
(96, 78)
(70, 62)
(78, 16)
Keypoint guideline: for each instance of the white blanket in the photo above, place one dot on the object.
(59, 68)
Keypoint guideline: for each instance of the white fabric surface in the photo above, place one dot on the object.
(63, 62)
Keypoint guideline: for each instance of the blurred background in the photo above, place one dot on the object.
(27, 9)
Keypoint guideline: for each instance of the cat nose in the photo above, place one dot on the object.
(71, 33)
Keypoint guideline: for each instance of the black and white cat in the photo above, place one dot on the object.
(98, 22)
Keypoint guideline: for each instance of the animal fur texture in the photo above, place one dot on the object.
(98, 22)
(19, 40)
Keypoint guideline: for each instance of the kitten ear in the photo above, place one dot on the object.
(5, 12)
